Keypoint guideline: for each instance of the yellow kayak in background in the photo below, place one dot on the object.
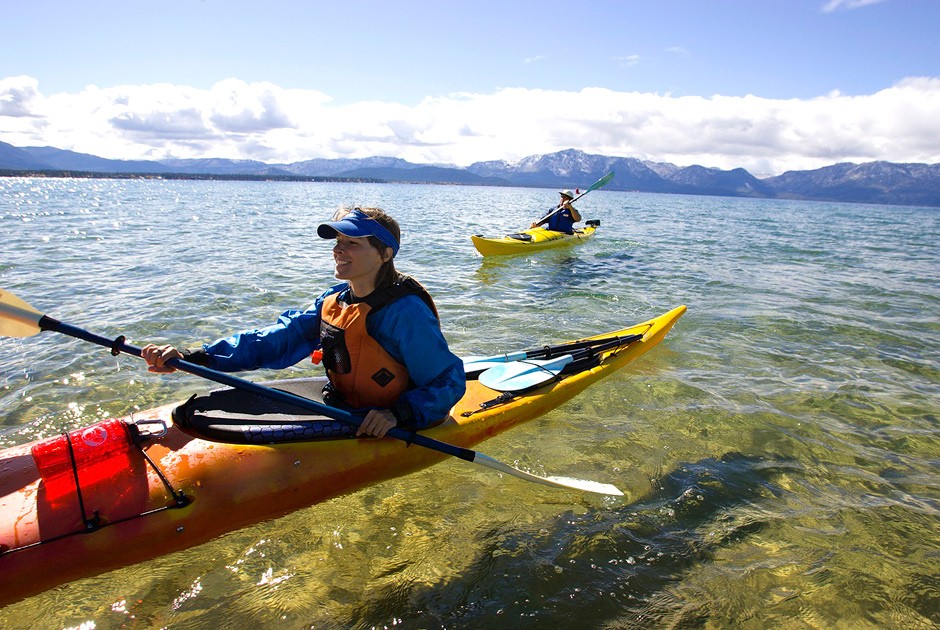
(532, 240)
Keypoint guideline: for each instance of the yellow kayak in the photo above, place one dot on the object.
(127, 490)
(532, 240)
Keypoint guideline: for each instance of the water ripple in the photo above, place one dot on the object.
(779, 451)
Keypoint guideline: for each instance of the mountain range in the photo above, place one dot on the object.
(872, 182)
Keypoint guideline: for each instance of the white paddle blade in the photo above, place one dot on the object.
(520, 375)
(478, 364)
(17, 318)
(559, 482)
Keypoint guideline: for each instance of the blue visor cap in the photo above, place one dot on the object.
(358, 224)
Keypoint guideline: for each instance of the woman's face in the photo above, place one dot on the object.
(356, 260)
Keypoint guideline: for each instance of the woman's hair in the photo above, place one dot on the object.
(387, 275)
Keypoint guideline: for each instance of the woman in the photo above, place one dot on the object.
(377, 332)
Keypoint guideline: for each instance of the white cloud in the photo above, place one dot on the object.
(248, 108)
(628, 60)
(262, 121)
(19, 96)
(835, 5)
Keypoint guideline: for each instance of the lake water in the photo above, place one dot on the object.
(779, 450)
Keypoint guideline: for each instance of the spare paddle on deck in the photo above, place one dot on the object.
(19, 319)
(518, 376)
(474, 365)
(521, 375)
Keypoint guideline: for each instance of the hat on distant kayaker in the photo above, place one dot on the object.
(566, 193)
(358, 224)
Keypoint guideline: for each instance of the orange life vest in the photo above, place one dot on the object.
(358, 367)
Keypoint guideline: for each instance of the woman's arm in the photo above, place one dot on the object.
(408, 331)
(288, 341)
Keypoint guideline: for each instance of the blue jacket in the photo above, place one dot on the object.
(406, 328)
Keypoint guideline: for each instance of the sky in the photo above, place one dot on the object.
(765, 85)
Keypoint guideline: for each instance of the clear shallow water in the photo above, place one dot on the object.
(779, 450)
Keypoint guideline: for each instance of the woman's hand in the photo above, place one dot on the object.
(157, 356)
(377, 423)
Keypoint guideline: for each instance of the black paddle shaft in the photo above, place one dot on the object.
(118, 345)
(594, 344)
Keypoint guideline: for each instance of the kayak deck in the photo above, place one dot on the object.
(196, 489)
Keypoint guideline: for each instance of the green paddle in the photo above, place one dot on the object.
(598, 184)
(19, 319)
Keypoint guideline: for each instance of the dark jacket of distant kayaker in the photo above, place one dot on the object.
(406, 328)
(564, 217)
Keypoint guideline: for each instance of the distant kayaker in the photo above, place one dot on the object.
(377, 332)
(563, 218)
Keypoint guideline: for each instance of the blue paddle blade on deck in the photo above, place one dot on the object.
(519, 375)
(478, 364)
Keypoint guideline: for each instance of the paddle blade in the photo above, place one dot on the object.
(601, 182)
(478, 364)
(520, 375)
(559, 482)
(17, 318)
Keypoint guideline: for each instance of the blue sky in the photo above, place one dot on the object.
(766, 85)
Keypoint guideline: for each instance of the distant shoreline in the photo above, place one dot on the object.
(872, 182)
(66, 174)
(874, 191)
